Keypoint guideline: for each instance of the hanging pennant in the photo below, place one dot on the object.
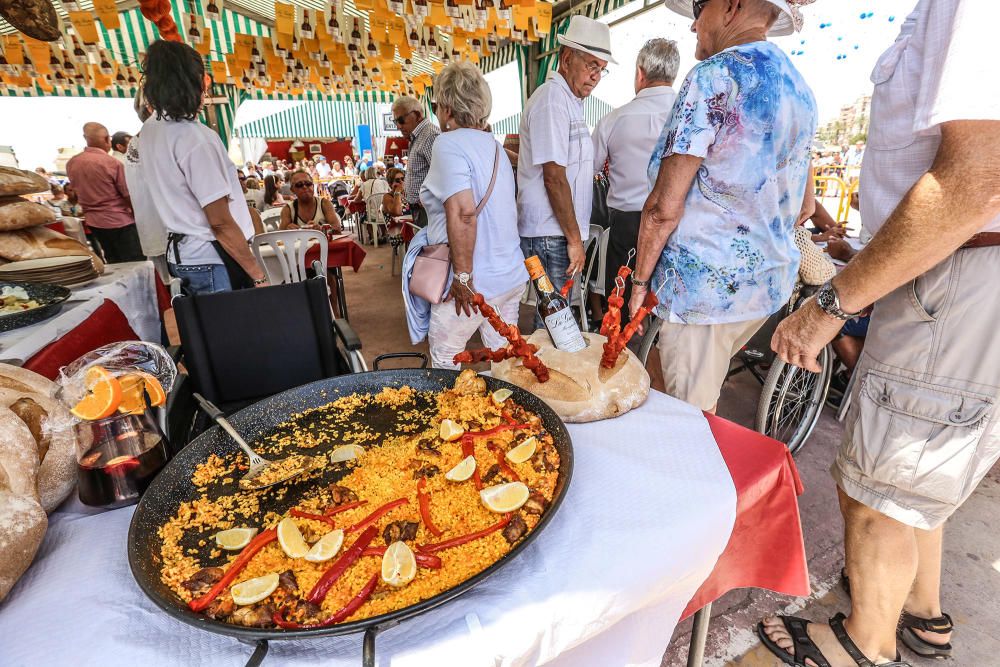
(83, 23)
(219, 71)
(387, 50)
(543, 19)
(379, 27)
(243, 46)
(284, 18)
(107, 12)
(522, 18)
(205, 48)
(364, 5)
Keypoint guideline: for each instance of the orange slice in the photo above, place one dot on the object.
(104, 394)
(134, 388)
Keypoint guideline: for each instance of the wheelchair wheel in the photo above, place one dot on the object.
(791, 401)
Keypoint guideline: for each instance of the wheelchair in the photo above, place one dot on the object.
(791, 398)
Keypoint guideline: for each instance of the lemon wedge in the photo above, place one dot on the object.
(291, 540)
(450, 431)
(346, 453)
(505, 498)
(524, 451)
(254, 590)
(235, 538)
(462, 471)
(501, 395)
(327, 547)
(399, 565)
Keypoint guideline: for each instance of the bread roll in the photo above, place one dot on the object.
(18, 456)
(18, 213)
(39, 242)
(30, 397)
(19, 182)
(579, 389)
(22, 528)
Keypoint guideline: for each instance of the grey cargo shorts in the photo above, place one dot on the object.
(922, 431)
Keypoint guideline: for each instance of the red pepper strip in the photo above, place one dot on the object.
(340, 566)
(249, 551)
(315, 517)
(376, 515)
(429, 561)
(424, 500)
(343, 508)
(337, 616)
(502, 462)
(497, 429)
(469, 449)
(448, 544)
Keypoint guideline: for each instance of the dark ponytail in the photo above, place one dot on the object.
(173, 80)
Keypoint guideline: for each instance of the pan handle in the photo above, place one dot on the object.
(400, 355)
(258, 654)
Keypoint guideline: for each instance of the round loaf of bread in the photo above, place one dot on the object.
(579, 389)
(18, 213)
(30, 397)
(22, 528)
(15, 181)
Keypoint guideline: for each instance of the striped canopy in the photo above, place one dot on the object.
(320, 120)
(594, 109)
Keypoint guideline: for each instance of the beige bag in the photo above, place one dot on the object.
(816, 267)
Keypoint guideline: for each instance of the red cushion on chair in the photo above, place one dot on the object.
(57, 227)
(107, 324)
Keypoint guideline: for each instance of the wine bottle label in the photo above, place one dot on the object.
(564, 330)
(545, 284)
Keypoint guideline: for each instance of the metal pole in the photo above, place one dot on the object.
(699, 636)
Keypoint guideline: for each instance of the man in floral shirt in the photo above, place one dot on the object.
(730, 171)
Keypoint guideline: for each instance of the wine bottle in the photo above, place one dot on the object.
(554, 309)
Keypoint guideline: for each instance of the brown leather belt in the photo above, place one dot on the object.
(982, 240)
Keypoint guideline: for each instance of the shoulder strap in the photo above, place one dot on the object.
(493, 180)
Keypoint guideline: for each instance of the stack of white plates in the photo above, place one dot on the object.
(67, 271)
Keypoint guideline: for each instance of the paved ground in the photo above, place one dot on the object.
(972, 576)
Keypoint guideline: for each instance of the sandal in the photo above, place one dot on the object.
(806, 649)
(908, 623)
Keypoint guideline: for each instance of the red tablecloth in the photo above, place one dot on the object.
(342, 252)
(766, 549)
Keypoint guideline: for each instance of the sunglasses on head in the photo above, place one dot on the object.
(697, 6)
(302, 184)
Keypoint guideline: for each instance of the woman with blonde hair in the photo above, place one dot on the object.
(469, 198)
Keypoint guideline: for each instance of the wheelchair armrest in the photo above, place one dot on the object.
(346, 334)
(175, 352)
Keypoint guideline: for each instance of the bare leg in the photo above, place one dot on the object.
(848, 350)
(882, 565)
(925, 596)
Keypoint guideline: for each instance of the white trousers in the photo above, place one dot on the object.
(449, 333)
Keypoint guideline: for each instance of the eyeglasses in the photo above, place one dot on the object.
(399, 180)
(402, 119)
(697, 6)
(594, 68)
(303, 184)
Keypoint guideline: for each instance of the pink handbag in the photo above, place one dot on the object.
(432, 267)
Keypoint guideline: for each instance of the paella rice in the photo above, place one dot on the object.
(408, 468)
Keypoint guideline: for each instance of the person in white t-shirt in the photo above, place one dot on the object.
(485, 247)
(923, 427)
(322, 168)
(191, 180)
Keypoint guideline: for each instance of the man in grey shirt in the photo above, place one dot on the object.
(421, 133)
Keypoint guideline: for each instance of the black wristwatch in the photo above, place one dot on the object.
(829, 301)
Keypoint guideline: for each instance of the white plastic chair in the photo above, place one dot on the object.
(597, 285)
(290, 248)
(374, 204)
(271, 219)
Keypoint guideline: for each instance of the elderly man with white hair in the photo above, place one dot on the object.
(555, 159)
(622, 140)
(731, 170)
(421, 133)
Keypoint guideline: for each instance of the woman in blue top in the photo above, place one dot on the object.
(484, 245)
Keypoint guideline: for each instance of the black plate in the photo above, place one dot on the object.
(173, 486)
(50, 296)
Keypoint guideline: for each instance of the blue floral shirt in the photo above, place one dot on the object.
(749, 113)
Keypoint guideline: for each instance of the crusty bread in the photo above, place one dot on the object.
(22, 528)
(18, 213)
(579, 389)
(39, 242)
(19, 182)
(30, 397)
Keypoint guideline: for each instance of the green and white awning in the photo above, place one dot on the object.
(319, 120)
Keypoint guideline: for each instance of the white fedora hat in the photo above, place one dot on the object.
(590, 36)
(790, 20)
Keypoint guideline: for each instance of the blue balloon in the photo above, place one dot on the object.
(856, 47)
(891, 19)
(870, 14)
(840, 38)
(863, 15)
(802, 42)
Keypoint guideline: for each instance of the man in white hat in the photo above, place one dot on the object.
(556, 157)
(924, 427)
(730, 173)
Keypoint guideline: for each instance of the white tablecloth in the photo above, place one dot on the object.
(130, 285)
(650, 508)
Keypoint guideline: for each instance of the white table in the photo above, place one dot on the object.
(650, 507)
(131, 285)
